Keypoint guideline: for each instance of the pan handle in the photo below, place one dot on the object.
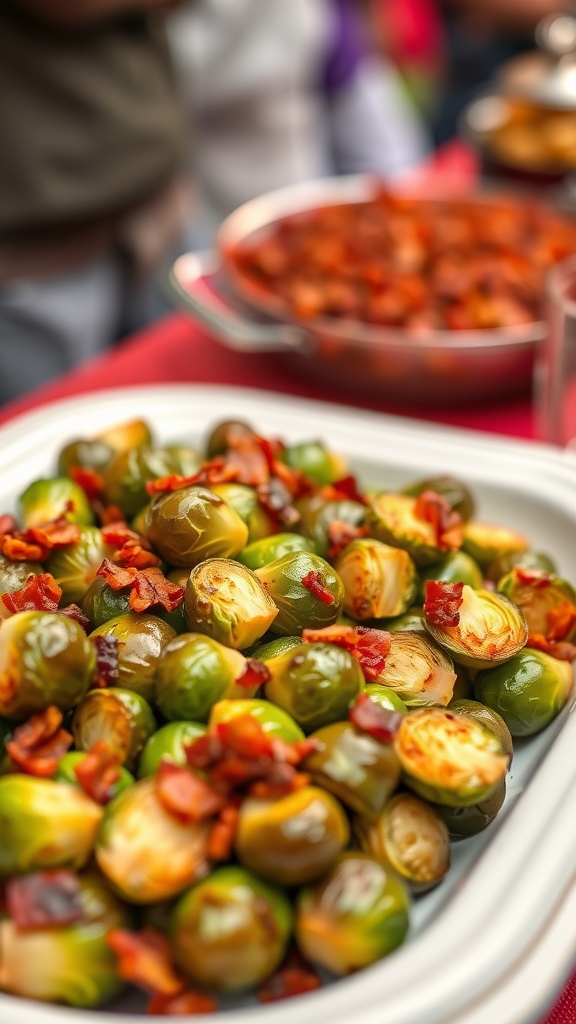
(188, 287)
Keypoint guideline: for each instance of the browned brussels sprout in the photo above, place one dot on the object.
(294, 839)
(128, 473)
(230, 931)
(354, 916)
(194, 673)
(485, 542)
(487, 717)
(457, 567)
(122, 718)
(321, 520)
(528, 559)
(490, 629)
(462, 822)
(449, 759)
(395, 519)
(227, 602)
(307, 591)
(359, 770)
(455, 493)
(379, 581)
(244, 501)
(224, 434)
(141, 639)
(315, 683)
(85, 454)
(123, 437)
(417, 670)
(528, 691)
(74, 567)
(47, 499)
(192, 524)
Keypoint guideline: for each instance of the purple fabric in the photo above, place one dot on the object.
(347, 46)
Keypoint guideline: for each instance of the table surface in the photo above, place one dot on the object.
(176, 351)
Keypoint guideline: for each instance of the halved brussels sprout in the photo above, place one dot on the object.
(191, 524)
(244, 501)
(458, 567)
(410, 837)
(548, 602)
(141, 639)
(230, 931)
(45, 658)
(317, 517)
(358, 769)
(269, 549)
(385, 698)
(354, 916)
(307, 591)
(316, 462)
(490, 630)
(293, 839)
(71, 965)
(146, 853)
(487, 717)
(514, 559)
(449, 759)
(194, 673)
(418, 670)
(128, 473)
(379, 581)
(44, 824)
(462, 822)
(315, 683)
(455, 493)
(47, 499)
(14, 576)
(273, 720)
(122, 437)
(121, 717)
(227, 602)
(168, 744)
(486, 542)
(392, 519)
(529, 691)
(74, 567)
(66, 772)
(85, 453)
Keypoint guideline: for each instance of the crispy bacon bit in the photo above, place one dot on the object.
(38, 744)
(432, 508)
(107, 666)
(185, 795)
(347, 489)
(91, 482)
(537, 578)
(135, 556)
(560, 649)
(144, 960)
(561, 621)
(185, 1004)
(370, 718)
(72, 611)
(99, 772)
(17, 550)
(294, 978)
(148, 587)
(118, 534)
(276, 500)
(314, 583)
(46, 899)
(116, 576)
(36, 543)
(7, 524)
(295, 482)
(40, 593)
(254, 673)
(369, 646)
(222, 834)
(442, 602)
(340, 534)
(109, 514)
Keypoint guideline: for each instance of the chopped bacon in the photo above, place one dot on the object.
(432, 508)
(346, 489)
(340, 534)
(184, 1004)
(107, 663)
(148, 587)
(561, 621)
(369, 646)
(222, 834)
(441, 603)
(144, 960)
(116, 576)
(109, 514)
(537, 578)
(295, 482)
(294, 978)
(46, 899)
(17, 550)
(276, 500)
(135, 556)
(99, 772)
(36, 542)
(38, 744)
(118, 534)
(560, 649)
(91, 482)
(72, 611)
(377, 722)
(216, 471)
(314, 583)
(185, 795)
(7, 524)
(254, 673)
(40, 593)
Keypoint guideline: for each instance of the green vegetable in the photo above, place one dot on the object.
(315, 683)
(187, 526)
(52, 497)
(529, 691)
(142, 638)
(379, 581)
(490, 630)
(359, 770)
(167, 744)
(121, 717)
(306, 590)
(194, 673)
(227, 602)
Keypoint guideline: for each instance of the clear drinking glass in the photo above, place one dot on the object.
(555, 380)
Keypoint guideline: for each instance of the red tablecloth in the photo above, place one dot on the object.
(175, 351)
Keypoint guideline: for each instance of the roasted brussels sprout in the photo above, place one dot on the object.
(45, 658)
(50, 498)
(385, 698)
(315, 460)
(410, 838)
(74, 567)
(449, 759)
(306, 590)
(413, 621)
(455, 493)
(529, 691)
(44, 824)
(227, 602)
(122, 437)
(315, 683)
(141, 870)
(101, 603)
(14, 576)
(462, 822)
(86, 454)
(121, 717)
(244, 501)
(128, 473)
(141, 639)
(319, 519)
(359, 770)
(417, 670)
(273, 720)
(273, 648)
(230, 931)
(489, 631)
(66, 772)
(457, 567)
(294, 839)
(168, 744)
(515, 559)
(379, 581)
(268, 549)
(71, 965)
(224, 434)
(548, 602)
(487, 717)
(194, 673)
(485, 542)
(354, 916)
(393, 520)
(191, 524)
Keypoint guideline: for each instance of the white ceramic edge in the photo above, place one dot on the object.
(503, 907)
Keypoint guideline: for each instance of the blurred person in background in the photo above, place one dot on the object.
(90, 197)
(283, 91)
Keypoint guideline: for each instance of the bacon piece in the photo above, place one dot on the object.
(7, 524)
(314, 583)
(17, 550)
(184, 1004)
(38, 744)
(107, 663)
(537, 578)
(254, 673)
(109, 514)
(144, 960)
(561, 649)
(377, 722)
(369, 646)
(40, 593)
(116, 576)
(46, 899)
(441, 603)
(222, 834)
(118, 533)
(276, 500)
(561, 621)
(152, 588)
(347, 489)
(91, 482)
(432, 508)
(135, 556)
(294, 978)
(185, 795)
(99, 772)
(72, 611)
(340, 534)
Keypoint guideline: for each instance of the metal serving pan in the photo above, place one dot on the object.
(495, 941)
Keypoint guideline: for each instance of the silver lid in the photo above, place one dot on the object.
(546, 76)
